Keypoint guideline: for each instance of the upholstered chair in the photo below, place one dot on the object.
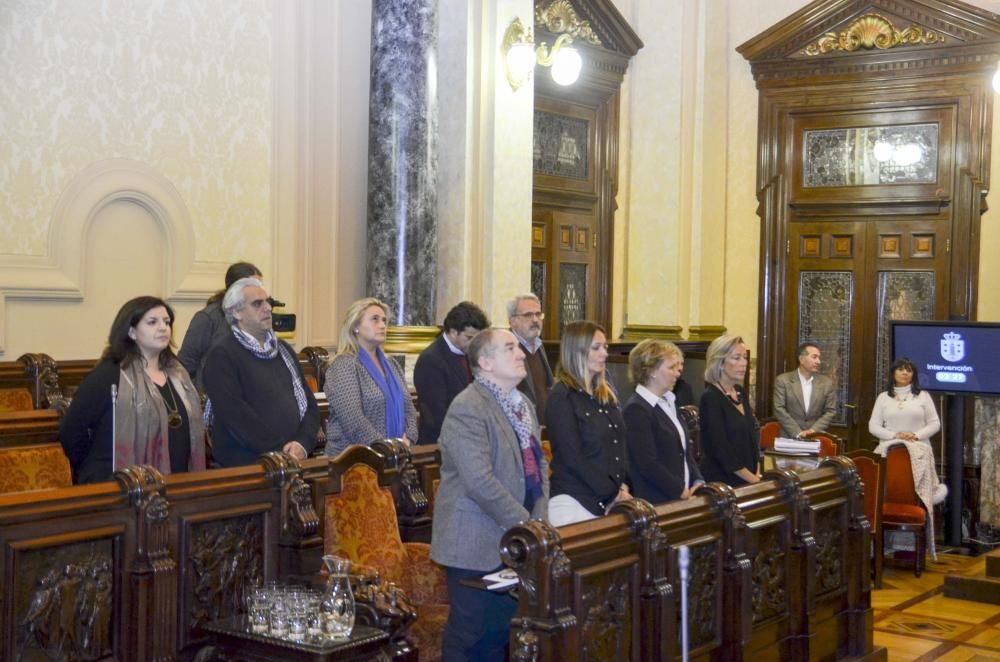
(871, 470)
(903, 510)
(830, 444)
(15, 399)
(361, 525)
(770, 428)
(40, 467)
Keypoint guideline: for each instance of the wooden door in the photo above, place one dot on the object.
(563, 266)
(847, 279)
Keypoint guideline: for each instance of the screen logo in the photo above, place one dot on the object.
(952, 347)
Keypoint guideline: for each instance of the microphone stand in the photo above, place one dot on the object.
(684, 561)
(114, 425)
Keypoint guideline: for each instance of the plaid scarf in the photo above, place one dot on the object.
(516, 408)
(267, 352)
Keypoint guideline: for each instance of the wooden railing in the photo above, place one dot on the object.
(779, 570)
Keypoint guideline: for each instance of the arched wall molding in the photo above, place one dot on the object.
(59, 275)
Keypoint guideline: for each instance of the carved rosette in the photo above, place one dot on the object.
(560, 17)
(871, 31)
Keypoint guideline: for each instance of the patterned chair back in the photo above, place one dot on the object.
(40, 467)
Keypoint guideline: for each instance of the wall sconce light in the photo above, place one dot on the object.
(520, 57)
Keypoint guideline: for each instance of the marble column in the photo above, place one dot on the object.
(402, 160)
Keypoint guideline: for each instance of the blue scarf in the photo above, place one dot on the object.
(392, 392)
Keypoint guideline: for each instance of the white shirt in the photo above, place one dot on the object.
(807, 388)
(454, 350)
(533, 346)
(668, 405)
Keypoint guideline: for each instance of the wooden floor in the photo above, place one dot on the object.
(916, 622)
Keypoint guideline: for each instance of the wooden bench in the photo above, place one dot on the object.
(777, 572)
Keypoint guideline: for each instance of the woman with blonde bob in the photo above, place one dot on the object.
(660, 462)
(730, 436)
(368, 396)
(586, 429)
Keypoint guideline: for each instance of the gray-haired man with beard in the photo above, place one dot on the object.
(525, 315)
(257, 392)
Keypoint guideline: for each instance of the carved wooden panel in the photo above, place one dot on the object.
(923, 245)
(769, 562)
(538, 235)
(63, 602)
(889, 246)
(703, 595)
(830, 548)
(842, 246)
(609, 601)
(225, 557)
(566, 237)
(810, 246)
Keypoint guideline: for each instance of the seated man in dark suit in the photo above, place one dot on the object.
(804, 400)
(442, 370)
(493, 475)
(256, 389)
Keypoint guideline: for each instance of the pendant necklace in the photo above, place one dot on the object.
(174, 419)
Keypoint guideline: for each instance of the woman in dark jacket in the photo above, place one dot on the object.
(586, 429)
(730, 435)
(661, 464)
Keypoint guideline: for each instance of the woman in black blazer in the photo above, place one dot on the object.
(661, 465)
(730, 435)
(586, 429)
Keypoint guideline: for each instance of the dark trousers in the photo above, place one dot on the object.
(478, 621)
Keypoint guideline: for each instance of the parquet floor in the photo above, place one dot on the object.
(917, 623)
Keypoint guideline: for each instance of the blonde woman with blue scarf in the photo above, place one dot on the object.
(367, 392)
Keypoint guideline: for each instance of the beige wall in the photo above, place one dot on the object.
(689, 141)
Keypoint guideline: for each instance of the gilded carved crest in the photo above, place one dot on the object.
(559, 16)
(871, 31)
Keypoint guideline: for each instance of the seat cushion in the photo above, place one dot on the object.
(427, 630)
(902, 513)
(15, 399)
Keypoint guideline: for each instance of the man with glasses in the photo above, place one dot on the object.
(442, 370)
(525, 314)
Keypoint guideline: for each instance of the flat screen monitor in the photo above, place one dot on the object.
(951, 357)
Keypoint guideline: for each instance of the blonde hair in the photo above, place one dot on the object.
(716, 356)
(348, 343)
(572, 368)
(646, 357)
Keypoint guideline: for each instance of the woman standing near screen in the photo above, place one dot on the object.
(903, 411)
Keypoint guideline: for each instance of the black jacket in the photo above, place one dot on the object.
(438, 377)
(656, 457)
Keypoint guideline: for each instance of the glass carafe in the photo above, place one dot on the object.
(337, 607)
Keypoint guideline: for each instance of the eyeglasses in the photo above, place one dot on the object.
(539, 315)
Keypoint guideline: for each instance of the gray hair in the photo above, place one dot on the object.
(233, 300)
(513, 303)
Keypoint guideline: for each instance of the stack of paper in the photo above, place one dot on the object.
(783, 445)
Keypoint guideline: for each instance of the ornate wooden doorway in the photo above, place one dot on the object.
(576, 163)
(873, 165)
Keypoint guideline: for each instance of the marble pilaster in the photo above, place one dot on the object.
(402, 159)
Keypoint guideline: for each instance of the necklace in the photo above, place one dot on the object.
(735, 399)
(174, 419)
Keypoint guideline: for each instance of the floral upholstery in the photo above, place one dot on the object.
(361, 525)
(15, 399)
(40, 467)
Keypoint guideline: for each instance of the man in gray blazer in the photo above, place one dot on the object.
(804, 400)
(493, 475)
